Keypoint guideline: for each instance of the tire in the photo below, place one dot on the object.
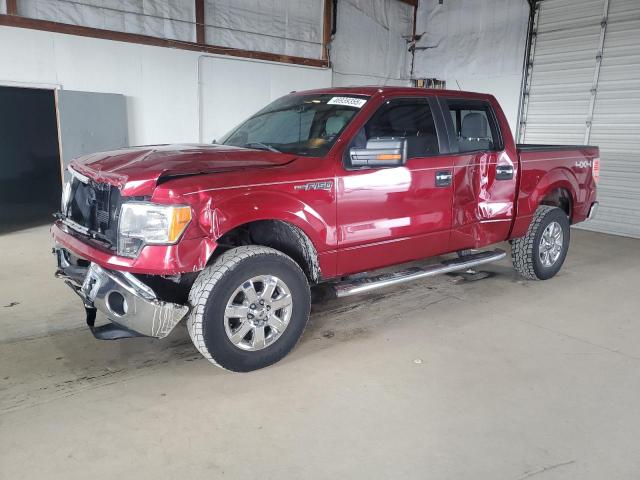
(220, 338)
(526, 251)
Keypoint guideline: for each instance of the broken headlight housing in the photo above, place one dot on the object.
(143, 223)
(66, 197)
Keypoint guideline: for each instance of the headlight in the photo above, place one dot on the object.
(150, 224)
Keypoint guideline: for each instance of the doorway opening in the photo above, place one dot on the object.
(30, 172)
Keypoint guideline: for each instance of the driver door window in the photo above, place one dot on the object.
(402, 118)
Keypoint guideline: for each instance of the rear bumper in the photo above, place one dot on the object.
(132, 306)
(593, 210)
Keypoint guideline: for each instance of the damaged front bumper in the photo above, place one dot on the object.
(131, 305)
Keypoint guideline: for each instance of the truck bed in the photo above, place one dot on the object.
(565, 171)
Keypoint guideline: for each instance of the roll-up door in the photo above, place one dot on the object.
(583, 87)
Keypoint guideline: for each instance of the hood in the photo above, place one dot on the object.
(137, 170)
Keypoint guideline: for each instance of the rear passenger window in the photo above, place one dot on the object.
(403, 118)
(475, 126)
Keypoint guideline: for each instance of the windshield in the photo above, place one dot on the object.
(301, 124)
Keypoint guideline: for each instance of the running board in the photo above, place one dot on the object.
(367, 284)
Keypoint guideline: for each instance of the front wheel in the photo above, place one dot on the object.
(248, 309)
(539, 255)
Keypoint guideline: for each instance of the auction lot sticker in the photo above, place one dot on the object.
(348, 101)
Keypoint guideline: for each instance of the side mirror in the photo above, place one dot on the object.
(380, 152)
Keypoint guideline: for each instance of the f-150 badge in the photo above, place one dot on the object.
(324, 185)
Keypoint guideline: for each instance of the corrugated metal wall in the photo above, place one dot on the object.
(584, 87)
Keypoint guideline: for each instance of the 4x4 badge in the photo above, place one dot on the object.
(583, 164)
(324, 185)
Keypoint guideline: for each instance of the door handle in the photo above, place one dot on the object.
(443, 178)
(504, 172)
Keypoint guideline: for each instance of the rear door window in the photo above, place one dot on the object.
(474, 125)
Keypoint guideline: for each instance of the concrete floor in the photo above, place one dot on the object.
(495, 379)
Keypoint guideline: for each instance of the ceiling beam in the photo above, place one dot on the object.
(327, 15)
(200, 31)
(12, 7)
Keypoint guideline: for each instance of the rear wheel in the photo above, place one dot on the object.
(248, 309)
(539, 255)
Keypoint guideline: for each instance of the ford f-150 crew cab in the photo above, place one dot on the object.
(316, 187)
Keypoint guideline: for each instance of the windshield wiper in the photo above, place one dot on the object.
(261, 146)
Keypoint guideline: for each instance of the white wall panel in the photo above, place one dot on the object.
(475, 46)
(370, 46)
(257, 84)
(506, 89)
(160, 84)
(467, 37)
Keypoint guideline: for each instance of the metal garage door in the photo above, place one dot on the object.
(584, 87)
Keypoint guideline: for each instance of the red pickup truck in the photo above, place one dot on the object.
(316, 187)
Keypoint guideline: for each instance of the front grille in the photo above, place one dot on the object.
(96, 207)
(103, 216)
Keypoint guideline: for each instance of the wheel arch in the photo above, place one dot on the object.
(559, 197)
(277, 220)
(278, 234)
(558, 189)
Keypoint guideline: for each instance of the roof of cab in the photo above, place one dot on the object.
(371, 90)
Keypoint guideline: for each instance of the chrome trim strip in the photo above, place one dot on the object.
(496, 220)
(259, 185)
(250, 185)
(552, 159)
